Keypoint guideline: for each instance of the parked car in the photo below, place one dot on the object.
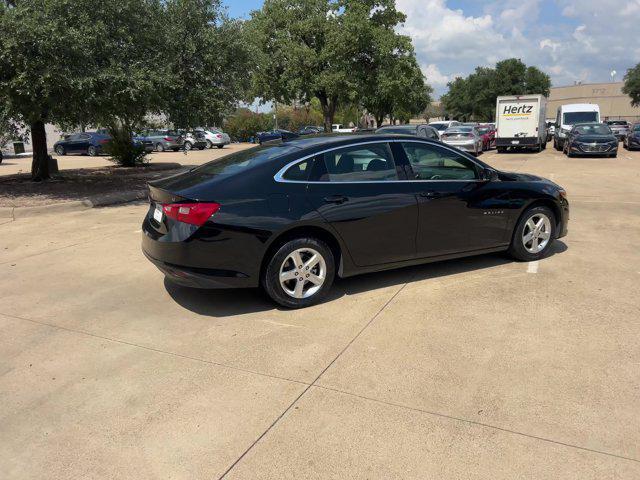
(591, 139)
(193, 140)
(275, 135)
(291, 216)
(339, 128)
(310, 130)
(162, 139)
(620, 128)
(83, 143)
(632, 139)
(422, 130)
(488, 134)
(443, 125)
(463, 138)
(572, 114)
(214, 137)
(147, 144)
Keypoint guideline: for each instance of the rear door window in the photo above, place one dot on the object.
(362, 163)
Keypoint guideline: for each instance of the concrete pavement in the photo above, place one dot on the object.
(475, 368)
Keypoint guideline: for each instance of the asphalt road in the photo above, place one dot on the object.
(476, 368)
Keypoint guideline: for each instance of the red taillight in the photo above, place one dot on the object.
(218, 136)
(103, 141)
(168, 139)
(193, 213)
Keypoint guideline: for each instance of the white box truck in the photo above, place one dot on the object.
(521, 122)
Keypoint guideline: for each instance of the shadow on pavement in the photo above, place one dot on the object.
(228, 302)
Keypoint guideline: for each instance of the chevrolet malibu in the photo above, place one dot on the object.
(291, 217)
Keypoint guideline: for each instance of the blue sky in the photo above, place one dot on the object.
(571, 40)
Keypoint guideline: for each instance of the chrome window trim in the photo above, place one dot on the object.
(278, 176)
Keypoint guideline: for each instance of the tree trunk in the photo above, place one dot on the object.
(328, 111)
(40, 162)
(379, 120)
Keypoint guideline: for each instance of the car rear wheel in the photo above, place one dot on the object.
(187, 146)
(299, 273)
(533, 235)
(60, 150)
(159, 147)
(220, 146)
(92, 151)
(209, 144)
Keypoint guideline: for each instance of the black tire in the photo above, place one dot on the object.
(60, 150)
(175, 149)
(556, 145)
(159, 147)
(187, 146)
(209, 144)
(220, 146)
(201, 148)
(92, 151)
(1, 157)
(271, 276)
(517, 248)
(500, 149)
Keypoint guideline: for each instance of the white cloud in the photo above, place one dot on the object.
(571, 39)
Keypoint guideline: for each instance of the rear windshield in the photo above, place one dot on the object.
(243, 161)
(483, 130)
(617, 122)
(571, 118)
(439, 126)
(460, 130)
(593, 130)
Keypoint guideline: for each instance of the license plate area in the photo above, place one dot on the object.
(515, 142)
(158, 214)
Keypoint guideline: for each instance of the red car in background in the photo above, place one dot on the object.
(488, 134)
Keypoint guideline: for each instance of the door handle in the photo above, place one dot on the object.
(337, 199)
(431, 195)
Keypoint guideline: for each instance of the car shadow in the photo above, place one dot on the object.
(229, 302)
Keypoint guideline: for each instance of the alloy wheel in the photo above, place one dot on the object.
(303, 273)
(536, 233)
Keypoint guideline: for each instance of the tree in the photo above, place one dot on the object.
(325, 49)
(632, 85)
(207, 62)
(474, 97)
(76, 61)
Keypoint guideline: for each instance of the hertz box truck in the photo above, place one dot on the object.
(520, 122)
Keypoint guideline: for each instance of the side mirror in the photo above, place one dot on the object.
(489, 175)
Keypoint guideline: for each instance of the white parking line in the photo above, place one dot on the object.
(532, 267)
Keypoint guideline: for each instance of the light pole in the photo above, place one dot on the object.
(613, 76)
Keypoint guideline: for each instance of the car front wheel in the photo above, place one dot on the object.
(534, 235)
(92, 151)
(299, 273)
(60, 150)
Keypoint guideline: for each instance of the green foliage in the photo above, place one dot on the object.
(122, 149)
(327, 49)
(91, 62)
(207, 61)
(244, 124)
(474, 97)
(292, 119)
(632, 85)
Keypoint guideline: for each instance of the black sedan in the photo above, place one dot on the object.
(292, 216)
(591, 139)
(632, 140)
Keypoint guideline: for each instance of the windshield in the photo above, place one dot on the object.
(593, 130)
(571, 118)
(483, 130)
(439, 126)
(636, 128)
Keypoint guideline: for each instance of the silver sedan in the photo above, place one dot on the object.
(466, 138)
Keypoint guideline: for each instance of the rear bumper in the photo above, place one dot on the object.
(200, 277)
(517, 142)
(464, 146)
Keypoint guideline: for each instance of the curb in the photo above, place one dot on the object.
(75, 206)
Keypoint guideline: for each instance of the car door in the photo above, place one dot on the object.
(458, 211)
(358, 190)
(74, 143)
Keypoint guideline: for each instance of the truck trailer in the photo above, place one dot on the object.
(521, 122)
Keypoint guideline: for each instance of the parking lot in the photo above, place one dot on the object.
(472, 368)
